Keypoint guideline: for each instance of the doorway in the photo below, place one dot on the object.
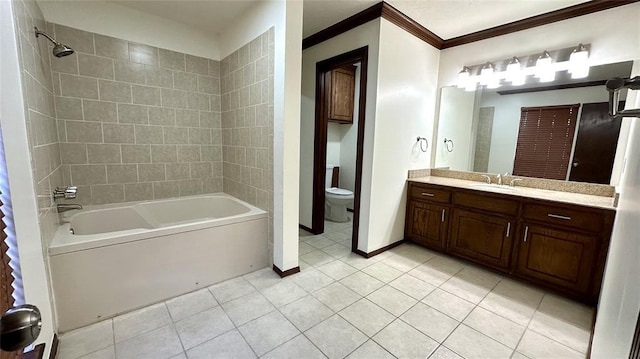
(323, 110)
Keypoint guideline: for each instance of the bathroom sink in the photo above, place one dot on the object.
(493, 187)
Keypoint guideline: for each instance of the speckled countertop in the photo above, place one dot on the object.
(557, 196)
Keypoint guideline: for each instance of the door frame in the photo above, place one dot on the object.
(320, 143)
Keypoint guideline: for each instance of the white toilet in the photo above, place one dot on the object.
(336, 200)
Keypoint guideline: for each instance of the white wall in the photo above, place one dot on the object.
(620, 296)
(506, 118)
(405, 109)
(364, 35)
(349, 143)
(111, 19)
(455, 122)
(18, 160)
(286, 17)
(334, 139)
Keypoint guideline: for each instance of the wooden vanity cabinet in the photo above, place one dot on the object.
(341, 94)
(562, 247)
(482, 228)
(428, 216)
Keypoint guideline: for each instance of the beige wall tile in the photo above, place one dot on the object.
(210, 119)
(176, 135)
(177, 171)
(143, 54)
(87, 132)
(111, 47)
(212, 185)
(95, 66)
(73, 153)
(165, 189)
(162, 116)
(174, 98)
(187, 118)
(208, 85)
(88, 174)
(171, 59)
(122, 173)
(77, 86)
(68, 108)
(198, 101)
(146, 95)
(99, 111)
(198, 136)
(104, 153)
(214, 68)
(163, 153)
(185, 81)
(149, 134)
(136, 153)
(151, 172)
(190, 187)
(211, 153)
(115, 91)
(133, 114)
(113, 193)
(198, 65)
(129, 72)
(189, 154)
(201, 170)
(117, 133)
(81, 41)
(158, 77)
(66, 65)
(138, 192)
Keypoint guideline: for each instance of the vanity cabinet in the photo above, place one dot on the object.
(341, 94)
(428, 216)
(559, 246)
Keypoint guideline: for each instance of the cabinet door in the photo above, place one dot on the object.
(562, 258)
(480, 237)
(428, 224)
(342, 94)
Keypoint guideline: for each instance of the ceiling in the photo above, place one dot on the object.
(446, 18)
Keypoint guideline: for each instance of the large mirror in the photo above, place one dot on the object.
(555, 130)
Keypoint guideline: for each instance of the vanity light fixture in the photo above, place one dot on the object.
(486, 74)
(579, 62)
(516, 70)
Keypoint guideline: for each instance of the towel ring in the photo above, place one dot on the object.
(448, 145)
(422, 140)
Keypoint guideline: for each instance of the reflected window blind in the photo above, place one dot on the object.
(545, 139)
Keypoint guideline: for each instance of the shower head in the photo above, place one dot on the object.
(59, 50)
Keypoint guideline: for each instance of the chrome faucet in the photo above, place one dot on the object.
(513, 182)
(63, 207)
(488, 178)
(499, 179)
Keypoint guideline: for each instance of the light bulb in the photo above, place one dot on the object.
(463, 77)
(544, 67)
(579, 62)
(471, 85)
(513, 69)
(486, 74)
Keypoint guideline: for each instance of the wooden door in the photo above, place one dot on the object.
(342, 94)
(428, 224)
(480, 237)
(562, 258)
(596, 144)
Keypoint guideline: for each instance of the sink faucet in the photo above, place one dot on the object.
(488, 178)
(499, 178)
(67, 207)
(513, 182)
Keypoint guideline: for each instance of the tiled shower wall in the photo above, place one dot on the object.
(483, 139)
(247, 124)
(136, 122)
(40, 112)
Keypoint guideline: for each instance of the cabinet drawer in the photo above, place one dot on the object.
(486, 203)
(428, 193)
(566, 217)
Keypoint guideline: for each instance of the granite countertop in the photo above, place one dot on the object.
(557, 196)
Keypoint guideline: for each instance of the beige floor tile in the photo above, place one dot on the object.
(336, 337)
(430, 321)
(263, 278)
(514, 301)
(444, 353)
(296, 348)
(231, 289)
(337, 269)
(311, 279)
(157, 344)
(412, 286)
(320, 241)
(495, 327)
(392, 300)
(362, 283)
(370, 350)
(437, 270)
(471, 284)
(268, 332)
(471, 344)
(382, 272)
(228, 345)
(106, 353)
(567, 310)
(86, 340)
(401, 263)
(247, 308)
(447, 303)
(404, 341)
(567, 333)
(317, 258)
(141, 321)
(337, 250)
(367, 317)
(536, 346)
(306, 312)
(336, 296)
(191, 303)
(283, 293)
(357, 261)
(203, 326)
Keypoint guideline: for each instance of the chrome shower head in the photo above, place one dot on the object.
(59, 50)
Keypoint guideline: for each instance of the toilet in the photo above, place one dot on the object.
(336, 200)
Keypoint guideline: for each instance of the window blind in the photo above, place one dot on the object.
(545, 139)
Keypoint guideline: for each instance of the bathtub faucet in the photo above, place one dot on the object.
(67, 207)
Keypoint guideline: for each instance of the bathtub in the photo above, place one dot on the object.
(107, 260)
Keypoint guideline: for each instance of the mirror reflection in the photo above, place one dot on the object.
(558, 130)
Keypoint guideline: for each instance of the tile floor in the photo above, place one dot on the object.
(405, 303)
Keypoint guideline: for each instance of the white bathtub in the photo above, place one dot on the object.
(112, 259)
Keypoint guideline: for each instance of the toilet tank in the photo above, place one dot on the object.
(328, 176)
